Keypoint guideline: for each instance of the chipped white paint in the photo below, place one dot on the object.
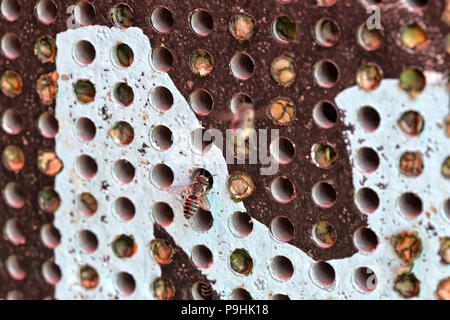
(219, 239)
(391, 102)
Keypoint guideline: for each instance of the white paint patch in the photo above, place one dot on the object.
(219, 239)
(390, 142)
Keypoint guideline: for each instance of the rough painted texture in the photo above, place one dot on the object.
(262, 282)
(387, 181)
(28, 105)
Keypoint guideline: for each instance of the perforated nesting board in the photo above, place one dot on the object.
(264, 281)
(27, 230)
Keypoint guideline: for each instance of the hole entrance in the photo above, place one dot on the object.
(417, 3)
(369, 76)
(10, 9)
(14, 232)
(201, 22)
(240, 185)
(86, 167)
(51, 272)
(123, 94)
(124, 208)
(324, 155)
(124, 171)
(323, 274)
(326, 73)
(413, 81)
(10, 46)
(122, 133)
(369, 39)
(283, 190)
(282, 268)
(201, 63)
(326, 32)
(84, 13)
(202, 220)
(324, 194)
(414, 37)
(125, 283)
(12, 122)
(242, 26)
(162, 251)
(410, 205)
(46, 11)
(161, 19)
(48, 125)
(122, 16)
(16, 268)
(369, 118)
(11, 84)
(202, 175)
(282, 229)
(50, 236)
(162, 214)
(201, 102)
(14, 195)
(88, 241)
(84, 52)
(122, 56)
(162, 59)
(411, 123)
(242, 66)
(87, 204)
(85, 129)
(365, 240)
(283, 150)
(241, 224)
(367, 159)
(447, 208)
(324, 234)
(13, 158)
(411, 164)
(88, 277)
(49, 200)
(202, 291)
(240, 100)
(365, 279)
(162, 176)
(279, 296)
(162, 137)
(202, 257)
(241, 262)
(84, 91)
(325, 114)
(240, 294)
(283, 71)
(161, 98)
(284, 29)
(124, 246)
(367, 200)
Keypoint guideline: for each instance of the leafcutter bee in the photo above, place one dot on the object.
(193, 197)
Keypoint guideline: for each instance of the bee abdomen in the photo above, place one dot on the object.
(191, 206)
(206, 291)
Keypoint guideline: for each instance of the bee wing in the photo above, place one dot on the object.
(177, 189)
(204, 203)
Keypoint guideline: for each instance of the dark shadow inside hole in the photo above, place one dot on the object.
(324, 274)
(242, 223)
(162, 59)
